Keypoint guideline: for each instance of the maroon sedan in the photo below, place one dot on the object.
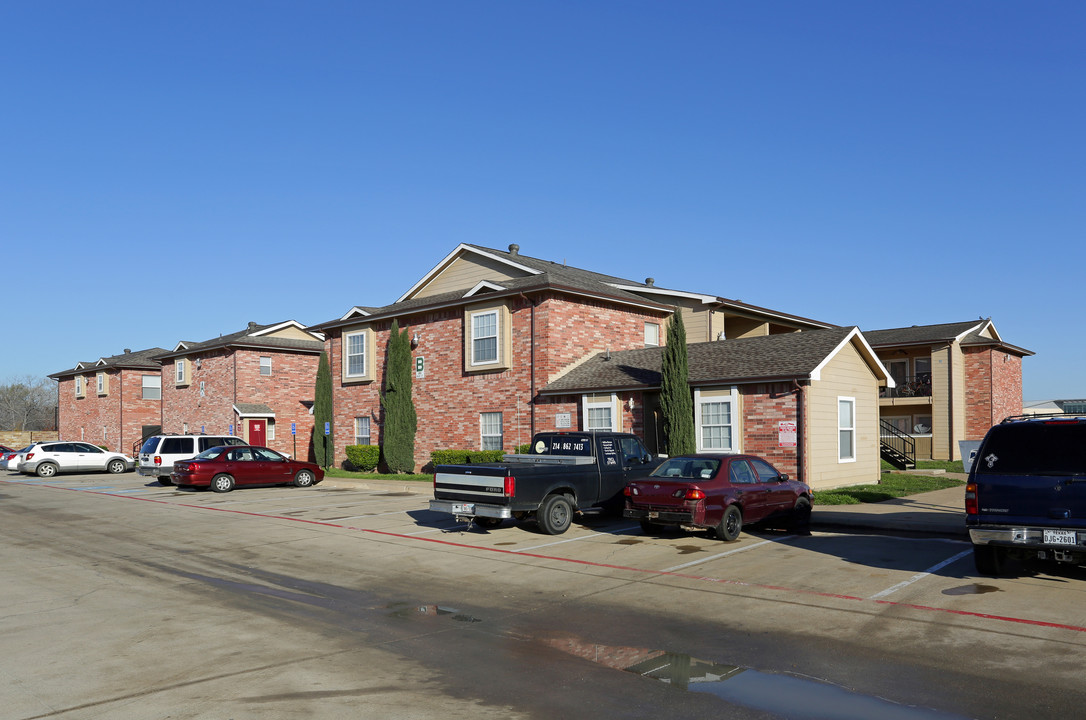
(224, 468)
(717, 491)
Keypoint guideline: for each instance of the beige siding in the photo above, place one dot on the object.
(846, 375)
(464, 273)
(947, 401)
(290, 333)
(740, 327)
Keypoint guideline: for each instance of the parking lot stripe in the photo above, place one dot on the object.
(723, 554)
(919, 576)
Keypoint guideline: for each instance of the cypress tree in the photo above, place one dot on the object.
(398, 433)
(322, 413)
(676, 404)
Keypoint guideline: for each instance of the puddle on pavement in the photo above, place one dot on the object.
(407, 610)
(973, 589)
(687, 549)
(629, 541)
(786, 696)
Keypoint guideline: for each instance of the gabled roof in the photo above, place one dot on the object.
(785, 356)
(972, 332)
(128, 360)
(254, 336)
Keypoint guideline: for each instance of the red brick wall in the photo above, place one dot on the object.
(233, 376)
(448, 401)
(101, 419)
(993, 389)
(764, 407)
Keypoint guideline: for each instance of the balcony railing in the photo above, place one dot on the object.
(911, 386)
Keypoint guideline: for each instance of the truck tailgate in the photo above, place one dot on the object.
(478, 485)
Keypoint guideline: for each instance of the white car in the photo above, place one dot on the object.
(159, 452)
(49, 458)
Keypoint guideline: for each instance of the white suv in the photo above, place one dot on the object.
(160, 452)
(48, 458)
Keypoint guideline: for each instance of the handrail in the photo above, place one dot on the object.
(897, 447)
(909, 386)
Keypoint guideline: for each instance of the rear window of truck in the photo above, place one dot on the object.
(1055, 447)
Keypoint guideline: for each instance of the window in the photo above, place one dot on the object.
(652, 334)
(484, 338)
(362, 431)
(203, 391)
(923, 425)
(922, 366)
(599, 412)
(357, 353)
(846, 429)
(265, 366)
(714, 418)
(271, 428)
(152, 387)
(179, 371)
(79, 391)
(103, 386)
(490, 424)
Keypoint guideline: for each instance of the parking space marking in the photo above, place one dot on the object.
(919, 576)
(744, 548)
(574, 539)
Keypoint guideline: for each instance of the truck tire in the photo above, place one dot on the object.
(555, 514)
(989, 559)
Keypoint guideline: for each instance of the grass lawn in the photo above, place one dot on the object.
(340, 473)
(891, 485)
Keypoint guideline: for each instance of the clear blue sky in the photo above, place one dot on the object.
(172, 170)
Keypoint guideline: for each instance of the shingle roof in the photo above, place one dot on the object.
(248, 337)
(140, 359)
(920, 334)
(771, 357)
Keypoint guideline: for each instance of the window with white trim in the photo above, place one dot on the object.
(270, 427)
(354, 354)
(490, 429)
(362, 431)
(79, 386)
(599, 412)
(179, 371)
(484, 338)
(265, 366)
(715, 420)
(652, 334)
(846, 429)
(152, 387)
(101, 379)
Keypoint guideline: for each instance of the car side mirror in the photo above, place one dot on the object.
(783, 477)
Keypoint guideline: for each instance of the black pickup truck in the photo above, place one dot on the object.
(564, 473)
(1026, 494)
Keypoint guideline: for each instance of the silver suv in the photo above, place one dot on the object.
(46, 459)
(160, 452)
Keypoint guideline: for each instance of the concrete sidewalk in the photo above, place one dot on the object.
(940, 513)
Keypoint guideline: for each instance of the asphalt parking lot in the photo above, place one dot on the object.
(921, 574)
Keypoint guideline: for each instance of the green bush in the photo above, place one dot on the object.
(525, 449)
(363, 457)
(465, 457)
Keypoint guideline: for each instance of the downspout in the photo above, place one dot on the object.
(531, 367)
(950, 400)
(801, 439)
(120, 432)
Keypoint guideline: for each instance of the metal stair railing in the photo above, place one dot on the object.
(896, 447)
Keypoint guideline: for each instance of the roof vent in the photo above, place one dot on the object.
(128, 351)
(252, 325)
(514, 249)
(650, 281)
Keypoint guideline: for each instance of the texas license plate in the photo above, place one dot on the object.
(653, 514)
(1060, 537)
(463, 507)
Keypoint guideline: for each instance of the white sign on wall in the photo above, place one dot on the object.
(786, 434)
(563, 420)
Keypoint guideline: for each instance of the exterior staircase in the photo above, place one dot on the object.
(896, 447)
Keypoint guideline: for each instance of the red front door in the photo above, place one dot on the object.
(258, 432)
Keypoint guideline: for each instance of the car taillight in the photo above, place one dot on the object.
(158, 459)
(510, 486)
(690, 494)
(29, 455)
(630, 491)
(971, 503)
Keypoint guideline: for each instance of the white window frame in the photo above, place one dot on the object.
(363, 338)
(179, 371)
(267, 365)
(269, 429)
(358, 422)
(145, 387)
(850, 429)
(79, 391)
(589, 403)
(702, 398)
(483, 434)
(652, 334)
(475, 362)
(100, 380)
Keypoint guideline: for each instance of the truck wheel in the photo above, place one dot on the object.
(487, 522)
(731, 524)
(555, 514)
(989, 559)
(165, 480)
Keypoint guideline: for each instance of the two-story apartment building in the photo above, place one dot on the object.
(256, 383)
(494, 330)
(953, 381)
(114, 401)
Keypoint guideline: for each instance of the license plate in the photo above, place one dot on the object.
(653, 514)
(1060, 537)
(463, 507)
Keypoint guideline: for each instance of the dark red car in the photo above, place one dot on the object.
(224, 468)
(717, 491)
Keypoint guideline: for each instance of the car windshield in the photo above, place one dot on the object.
(210, 453)
(685, 468)
(1056, 447)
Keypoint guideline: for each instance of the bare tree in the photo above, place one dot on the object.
(28, 403)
